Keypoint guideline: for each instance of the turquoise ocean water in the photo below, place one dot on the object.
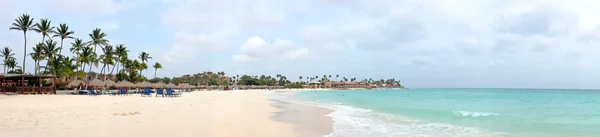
(461, 112)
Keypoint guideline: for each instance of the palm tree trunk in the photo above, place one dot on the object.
(83, 69)
(24, 51)
(37, 66)
(89, 71)
(47, 63)
(61, 44)
(155, 72)
(113, 69)
(102, 70)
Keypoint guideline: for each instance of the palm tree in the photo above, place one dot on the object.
(97, 37)
(37, 56)
(50, 51)
(7, 54)
(156, 66)
(144, 56)
(23, 23)
(142, 66)
(63, 32)
(44, 27)
(108, 57)
(86, 56)
(76, 47)
(121, 53)
(11, 63)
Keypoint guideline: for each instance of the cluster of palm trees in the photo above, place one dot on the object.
(327, 78)
(48, 50)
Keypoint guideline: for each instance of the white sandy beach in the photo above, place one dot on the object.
(201, 113)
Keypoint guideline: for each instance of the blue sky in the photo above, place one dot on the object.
(424, 43)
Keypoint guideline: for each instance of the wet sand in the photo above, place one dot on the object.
(308, 121)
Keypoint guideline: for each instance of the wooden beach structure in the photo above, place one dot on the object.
(19, 84)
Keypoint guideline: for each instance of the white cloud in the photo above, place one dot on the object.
(108, 26)
(188, 45)
(225, 16)
(88, 6)
(256, 49)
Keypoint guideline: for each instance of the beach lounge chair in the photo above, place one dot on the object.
(160, 92)
(93, 93)
(147, 92)
(170, 92)
(122, 91)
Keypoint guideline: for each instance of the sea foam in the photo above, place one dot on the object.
(357, 122)
(473, 114)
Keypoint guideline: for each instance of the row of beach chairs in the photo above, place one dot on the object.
(146, 93)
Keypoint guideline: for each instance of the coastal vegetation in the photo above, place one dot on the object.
(114, 64)
(49, 59)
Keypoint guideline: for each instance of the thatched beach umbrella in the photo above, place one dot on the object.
(171, 85)
(75, 83)
(96, 83)
(183, 85)
(109, 83)
(158, 85)
(123, 84)
(143, 84)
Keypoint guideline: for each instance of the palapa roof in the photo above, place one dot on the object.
(109, 83)
(159, 85)
(124, 84)
(143, 84)
(96, 83)
(183, 85)
(75, 83)
(171, 85)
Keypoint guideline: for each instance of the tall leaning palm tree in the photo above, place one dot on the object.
(121, 53)
(44, 27)
(144, 56)
(97, 38)
(76, 47)
(6, 53)
(23, 23)
(63, 32)
(156, 66)
(107, 57)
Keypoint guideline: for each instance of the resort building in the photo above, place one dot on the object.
(346, 85)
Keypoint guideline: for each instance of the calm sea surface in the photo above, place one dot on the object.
(461, 112)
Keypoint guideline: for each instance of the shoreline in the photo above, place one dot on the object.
(308, 120)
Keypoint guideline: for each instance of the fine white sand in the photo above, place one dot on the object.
(196, 114)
